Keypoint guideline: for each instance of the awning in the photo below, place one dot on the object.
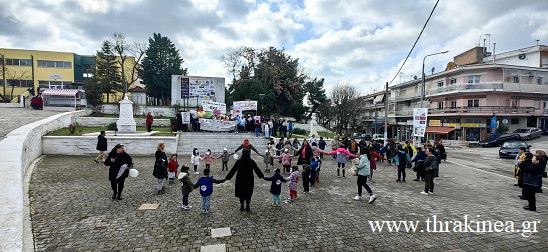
(439, 130)
(60, 92)
(378, 99)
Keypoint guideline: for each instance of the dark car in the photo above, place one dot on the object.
(366, 137)
(498, 141)
(510, 148)
(544, 130)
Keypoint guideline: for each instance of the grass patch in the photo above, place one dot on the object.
(86, 130)
(164, 134)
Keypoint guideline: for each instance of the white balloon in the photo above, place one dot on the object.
(235, 156)
(133, 173)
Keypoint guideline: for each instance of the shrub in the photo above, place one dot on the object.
(73, 127)
(299, 131)
(112, 126)
(173, 124)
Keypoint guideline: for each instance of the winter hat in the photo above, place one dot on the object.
(286, 150)
(224, 149)
(266, 151)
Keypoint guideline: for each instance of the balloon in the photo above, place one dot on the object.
(133, 173)
(235, 156)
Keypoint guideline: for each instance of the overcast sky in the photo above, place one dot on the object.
(344, 41)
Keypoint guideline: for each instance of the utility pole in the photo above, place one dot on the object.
(4, 75)
(386, 113)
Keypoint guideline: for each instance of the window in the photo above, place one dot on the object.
(515, 79)
(473, 79)
(440, 105)
(88, 71)
(514, 120)
(54, 64)
(544, 62)
(440, 84)
(18, 62)
(20, 83)
(473, 103)
(472, 120)
(54, 84)
(514, 103)
(453, 81)
(453, 104)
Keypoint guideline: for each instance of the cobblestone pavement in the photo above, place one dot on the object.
(72, 211)
(13, 118)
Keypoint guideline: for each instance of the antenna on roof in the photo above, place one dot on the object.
(538, 41)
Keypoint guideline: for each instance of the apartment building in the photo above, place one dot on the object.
(463, 98)
(371, 120)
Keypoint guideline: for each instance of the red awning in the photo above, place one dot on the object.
(439, 130)
(60, 92)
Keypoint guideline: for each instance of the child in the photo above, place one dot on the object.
(276, 187)
(373, 162)
(293, 180)
(186, 186)
(342, 158)
(160, 172)
(208, 159)
(286, 160)
(266, 160)
(306, 177)
(314, 171)
(195, 160)
(172, 168)
(205, 184)
(225, 157)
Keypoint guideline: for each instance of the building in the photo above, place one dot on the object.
(23, 69)
(371, 120)
(463, 98)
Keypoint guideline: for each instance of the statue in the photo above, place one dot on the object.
(126, 123)
(313, 125)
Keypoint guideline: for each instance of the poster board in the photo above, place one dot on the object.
(212, 106)
(420, 116)
(186, 117)
(202, 87)
(236, 111)
(246, 105)
(216, 125)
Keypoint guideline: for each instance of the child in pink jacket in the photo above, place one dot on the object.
(208, 158)
(286, 160)
(342, 158)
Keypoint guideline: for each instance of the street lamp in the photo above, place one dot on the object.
(423, 89)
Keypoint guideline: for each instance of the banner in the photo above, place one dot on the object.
(419, 121)
(494, 126)
(216, 125)
(212, 106)
(202, 87)
(185, 88)
(186, 117)
(236, 111)
(246, 105)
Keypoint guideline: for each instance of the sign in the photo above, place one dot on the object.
(56, 76)
(216, 125)
(186, 117)
(494, 124)
(246, 105)
(236, 111)
(434, 123)
(201, 87)
(185, 88)
(212, 106)
(470, 125)
(420, 116)
(505, 121)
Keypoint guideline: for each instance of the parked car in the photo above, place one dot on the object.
(366, 137)
(509, 149)
(498, 141)
(528, 133)
(544, 130)
(378, 137)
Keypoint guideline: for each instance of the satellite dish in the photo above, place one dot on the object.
(415, 77)
(450, 65)
(433, 69)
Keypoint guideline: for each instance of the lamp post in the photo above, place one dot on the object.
(423, 89)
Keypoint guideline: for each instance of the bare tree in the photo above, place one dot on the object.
(233, 62)
(124, 52)
(13, 77)
(346, 105)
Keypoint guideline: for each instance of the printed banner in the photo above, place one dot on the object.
(212, 106)
(236, 111)
(246, 105)
(216, 125)
(186, 117)
(185, 88)
(420, 116)
(202, 87)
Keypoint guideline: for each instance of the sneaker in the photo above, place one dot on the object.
(338, 176)
(95, 160)
(403, 181)
(430, 193)
(424, 193)
(397, 180)
(189, 207)
(204, 211)
(416, 180)
(358, 197)
(372, 198)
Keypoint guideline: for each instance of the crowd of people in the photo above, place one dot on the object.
(301, 162)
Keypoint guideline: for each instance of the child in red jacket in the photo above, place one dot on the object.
(172, 166)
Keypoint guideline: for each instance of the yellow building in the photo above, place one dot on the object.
(23, 69)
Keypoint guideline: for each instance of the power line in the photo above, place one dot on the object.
(415, 42)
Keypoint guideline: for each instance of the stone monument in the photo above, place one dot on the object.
(126, 123)
(313, 125)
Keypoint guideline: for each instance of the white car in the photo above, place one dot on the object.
(378, 137)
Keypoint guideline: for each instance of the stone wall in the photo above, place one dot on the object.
(156, 111)
(19, 148)
(104, 121)
(216, 142)
(86, 145)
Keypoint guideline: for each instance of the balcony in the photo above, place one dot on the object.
(545, 111)
(400, 113)
(487, 110)
(488, 86)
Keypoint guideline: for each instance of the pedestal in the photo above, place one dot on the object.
(126, 123)
(313, 125)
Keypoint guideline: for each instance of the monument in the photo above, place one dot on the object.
(126, 123)
(313, 125)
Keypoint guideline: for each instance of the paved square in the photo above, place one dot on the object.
(220, 232)
(214, 248)
(72, 210)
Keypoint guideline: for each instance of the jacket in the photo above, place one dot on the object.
(160, 171)
(120, 159)
(532, 174)
(172, 166)
(286, 158)
(431, 160)
(421, 155)
(314, 166)
(206, 185)
(322, 144)
(186, 184)
(401, 159)
(208, 159)
(195, 159)
(266, 158)
(225, 157)
(101, 143)
(293, 179)
(409, 149)
(364, 167)
(316, 151)
(149, 120)
(276, 187)
(342, 155)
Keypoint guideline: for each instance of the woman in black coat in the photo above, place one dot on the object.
(243, 189)
(116, 159)
(160, 154)
(307, 154)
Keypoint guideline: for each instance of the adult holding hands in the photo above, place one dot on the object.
(243, 169)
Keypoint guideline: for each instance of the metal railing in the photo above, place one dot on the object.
(484, 109)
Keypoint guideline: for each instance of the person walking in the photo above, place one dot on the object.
(101, 147)
(364, 170)
(120, 162)
(148, 122)
(243, 169)
(322, 145)
(419, 161)
(290, 129)
(430, 167)
(401, 159)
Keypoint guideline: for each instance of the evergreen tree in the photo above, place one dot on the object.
(316, 94)
(161, 61)
(107, 70)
